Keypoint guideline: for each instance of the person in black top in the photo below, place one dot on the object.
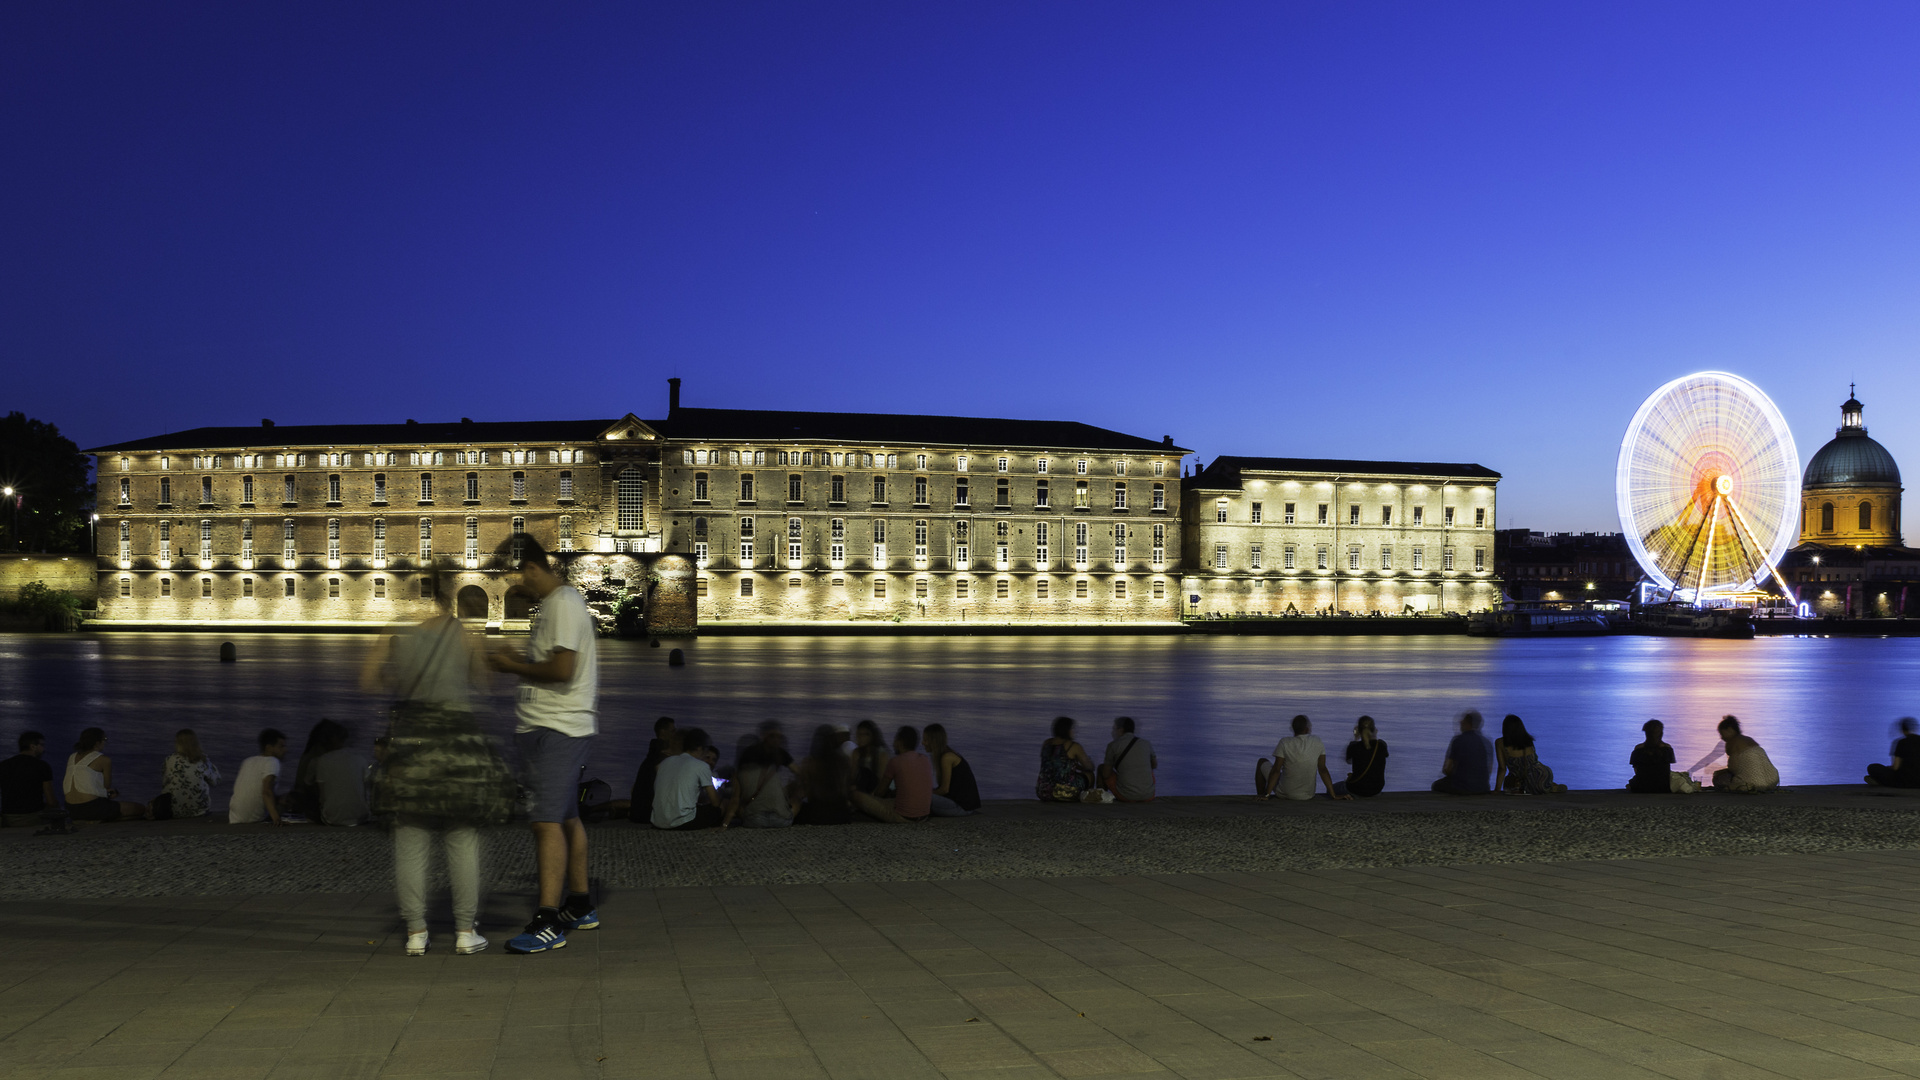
(952, 776)
(1367, 758)
(1905, 770)
(26, 782)
(659, 749)
(1652, 762)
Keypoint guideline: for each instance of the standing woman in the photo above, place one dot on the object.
(88, 787)
(187, 777)
(441, 774)
(1367, 758)
(955, 792)
(1066, 773)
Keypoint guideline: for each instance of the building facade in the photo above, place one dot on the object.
(1303, 535)
(1852, 561)
(1552, 567)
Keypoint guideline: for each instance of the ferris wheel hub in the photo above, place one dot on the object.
(1723, 484)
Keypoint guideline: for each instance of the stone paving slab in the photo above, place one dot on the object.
(1799, 966)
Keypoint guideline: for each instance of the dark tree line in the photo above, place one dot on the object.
(52, 498)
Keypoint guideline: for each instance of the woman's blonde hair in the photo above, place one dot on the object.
(187, 745)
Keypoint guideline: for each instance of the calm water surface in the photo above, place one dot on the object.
(1210, 705)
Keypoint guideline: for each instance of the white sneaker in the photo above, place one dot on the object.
(416, 943)
(469, 942)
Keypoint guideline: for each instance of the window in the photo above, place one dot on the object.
(746, 541)
(1080, 467)
(880, 588)
(1040, 466)
(1320, 557)
(166, 586)
(1386, 515)
(880, 542)
(1419, 558)
(960, 588)
(206, 490)
(1000, 545)
(379, 487)
(519, 487)
(566, 532)
(333, 489)
(1120, 588)
(1119, 494)
(793, 543)
(1386, 558)
(1446, 517)
(566, 485)
(1041, 554)
(746, 487)
(1287, 558)
(206, 588)
(1480, 517)
(1119, 468)
(919, 588)
(1323, 514)
(166, 544)
(960, 463)
(1220, 511)
(206, 541)
(166, 490)
(746, 586)
(126, 492)
(700, 586)
(1001, 463)
(126, 543)
(1119, 545)
(426, 540)
(1419, 516)
(837, 490)
(1159, 468)
(920, 461)
(473, 487)
(700, 487)
(1159, 497)
(960, 490)
(920, 489)
(1446, 558)
(1159, 545)
(1040, 588)
(289, 496)
(920, 541)
(291, 589)
(1000, 589)
(379, 588)
(1081, 499)
(1353, 556)
(1254, 556)
(1353, 514)
(1080, 543)
(125, 464)
(166, 462)
(1826, 512)
(879, 491)
(1219, 556)
(1079, 588)
(126, 583)
(288, 553)
(1257, 513)
(793, 487)
(837, 544)
(333, 588)
(333, 542)
(1159, 590)
(1040, 494)
(1479, 560)
(426, 487)
(473, 542)
(631, 495)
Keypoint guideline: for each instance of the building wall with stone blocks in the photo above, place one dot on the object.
(62, 573)
(1279, 536)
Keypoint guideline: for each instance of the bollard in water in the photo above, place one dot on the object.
(228, 654)
(653, 644)
(676, 658)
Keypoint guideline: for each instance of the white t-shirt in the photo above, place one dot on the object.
(562, 622)
(683, 780)
(247, 806)
(1298, 756)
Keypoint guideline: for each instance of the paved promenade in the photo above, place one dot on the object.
(1797, 964)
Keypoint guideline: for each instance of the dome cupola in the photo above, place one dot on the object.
(1850, 493)
(1851, 459)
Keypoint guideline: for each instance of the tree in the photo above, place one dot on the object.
(52, 495)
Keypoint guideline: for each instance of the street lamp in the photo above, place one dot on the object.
(93, 533)
(13, 517)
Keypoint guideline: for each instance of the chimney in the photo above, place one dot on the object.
(1166, 441)
(413, 421)
(466, 419)
(266, 423)
(673, 396)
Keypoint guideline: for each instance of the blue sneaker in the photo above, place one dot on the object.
(541, 935)
(570, 922)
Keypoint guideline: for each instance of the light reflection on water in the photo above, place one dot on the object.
(1210, 705)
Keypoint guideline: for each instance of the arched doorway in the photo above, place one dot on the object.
(519, 603)
(472, 602)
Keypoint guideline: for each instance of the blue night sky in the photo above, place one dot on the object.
(1455, 232)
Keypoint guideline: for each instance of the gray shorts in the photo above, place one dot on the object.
(553, 762)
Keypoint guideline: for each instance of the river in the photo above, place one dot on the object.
(1210, 706)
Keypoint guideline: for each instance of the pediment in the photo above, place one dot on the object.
(630, 428)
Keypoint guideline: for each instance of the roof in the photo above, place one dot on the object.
(1225, 472)
(897, 429)
(1852, 459)
(407, 434)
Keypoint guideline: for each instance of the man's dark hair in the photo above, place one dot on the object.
(1125, 722)
(693, 740)
(532, 554)
(28, 738)
(269, 736)
(908, 736)
(1302, 725)
(662, 724)
(1730, 721)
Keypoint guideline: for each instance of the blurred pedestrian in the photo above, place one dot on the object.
(1468, 768)
(1905, 770)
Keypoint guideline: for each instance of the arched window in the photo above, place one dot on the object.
(1826, 517)
(1866, 516)
(632, 494)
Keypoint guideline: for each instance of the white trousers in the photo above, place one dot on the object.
(412, 851)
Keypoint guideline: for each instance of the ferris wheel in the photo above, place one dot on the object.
(1708, 485)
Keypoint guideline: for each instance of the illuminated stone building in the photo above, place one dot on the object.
(1279, 535)
(785, 516)
(1852, 559)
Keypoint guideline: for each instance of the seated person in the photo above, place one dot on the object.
(659, 749)
(253, 799)
(910, 776)
(1297, 759)
(26, 783)
(1652, 762)
(1513, 752)
(1905, 770)
(1127, 770)
(823, 781)
(89, 789)
(340, 786)
(1066, 773)
(187, 777)
(1468, 769)
(1749, 771)
(955, 792)
(684, 797)
(759, 796)
(1366, 760)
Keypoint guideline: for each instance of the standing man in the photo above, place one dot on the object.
(1297, 759)
(559, 681)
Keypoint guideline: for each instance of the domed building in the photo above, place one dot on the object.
(1850, 493)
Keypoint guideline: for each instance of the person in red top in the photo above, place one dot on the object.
(910, 774)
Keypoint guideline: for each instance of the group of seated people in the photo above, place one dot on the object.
(682, 784)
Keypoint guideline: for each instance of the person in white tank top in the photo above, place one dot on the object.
(88, 786)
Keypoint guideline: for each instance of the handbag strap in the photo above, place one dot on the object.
(1124, 753)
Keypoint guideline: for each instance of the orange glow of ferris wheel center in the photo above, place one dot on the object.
(1723, 484)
